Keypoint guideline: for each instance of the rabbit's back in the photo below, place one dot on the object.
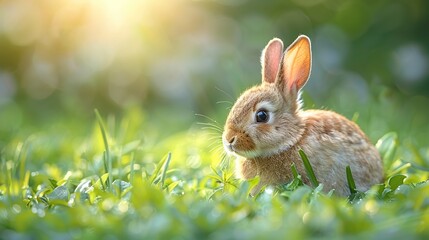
(332, 142)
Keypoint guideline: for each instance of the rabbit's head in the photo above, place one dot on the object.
(264, 119)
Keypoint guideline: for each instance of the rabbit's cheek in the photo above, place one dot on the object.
(264, 128)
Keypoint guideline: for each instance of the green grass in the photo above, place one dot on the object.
(116, 178)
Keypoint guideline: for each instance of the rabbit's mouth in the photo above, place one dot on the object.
(238, 142)
(231, 148)
(245, 154)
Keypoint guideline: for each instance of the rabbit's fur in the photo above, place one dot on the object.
(268, 148)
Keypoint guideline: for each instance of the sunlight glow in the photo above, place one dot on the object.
(76, 40)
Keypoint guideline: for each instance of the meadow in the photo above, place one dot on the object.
(113, 177)
(111, 119)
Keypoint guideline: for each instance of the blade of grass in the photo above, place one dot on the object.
(155, 174)
(107, 160)
(294, 171)
(350, 180)
(164, 170)
(106, 166)
(21, 161)
(308, 168)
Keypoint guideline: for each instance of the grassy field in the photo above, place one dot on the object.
(119, 178)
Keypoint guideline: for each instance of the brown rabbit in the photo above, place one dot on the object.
(266, 127)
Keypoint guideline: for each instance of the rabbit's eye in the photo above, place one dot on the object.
(262, 116)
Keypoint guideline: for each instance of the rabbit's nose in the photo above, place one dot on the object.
(232, 140)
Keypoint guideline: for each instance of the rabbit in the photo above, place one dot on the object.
(266, 127)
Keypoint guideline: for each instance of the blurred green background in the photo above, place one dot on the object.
(174, 59)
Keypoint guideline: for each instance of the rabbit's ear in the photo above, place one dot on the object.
(270, 60)
(296, 66)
